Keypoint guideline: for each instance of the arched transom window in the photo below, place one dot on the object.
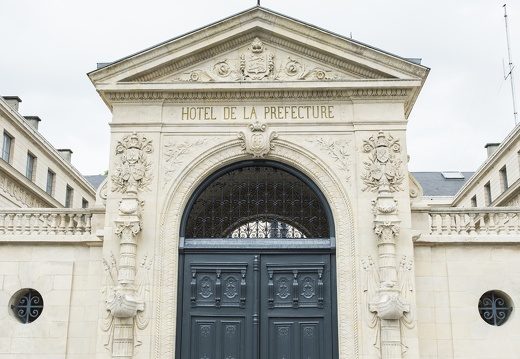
(260, 200)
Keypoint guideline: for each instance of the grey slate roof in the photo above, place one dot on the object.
(95, 180)
(434, 183)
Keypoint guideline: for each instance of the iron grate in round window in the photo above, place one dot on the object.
(495, 307)
(27, 305)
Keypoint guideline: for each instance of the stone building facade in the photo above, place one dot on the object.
(33, 173)
(259, 205)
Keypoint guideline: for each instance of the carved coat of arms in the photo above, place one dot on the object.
(258, 140)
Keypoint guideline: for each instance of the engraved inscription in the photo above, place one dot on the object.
(244, 113)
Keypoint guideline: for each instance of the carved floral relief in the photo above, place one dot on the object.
(338, 150)
(175, 153)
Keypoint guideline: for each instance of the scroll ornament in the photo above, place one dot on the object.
(257, 141)
(259, 64)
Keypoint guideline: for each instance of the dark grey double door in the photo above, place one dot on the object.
(257, 306)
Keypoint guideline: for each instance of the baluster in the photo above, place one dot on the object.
(79, 224)
(433, 219)
(19, 226)
(35, 223)
(463, 223)
(491, 226)
(53, 224)
(2, 223)
(44, 224)
(472, 228)
(88, 223)
(453, 223)
(10, 223)
(62, 223)
(501, 223)
(444, 226)
(26, 222)
(511, 227)
(70, 224)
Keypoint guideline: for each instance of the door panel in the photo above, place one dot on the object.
(227, 297)
(297, 318)
(291, 338)
(217, 338)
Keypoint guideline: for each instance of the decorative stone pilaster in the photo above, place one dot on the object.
(384, 174)
(126, 296)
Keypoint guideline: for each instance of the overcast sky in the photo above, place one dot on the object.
(49, 46)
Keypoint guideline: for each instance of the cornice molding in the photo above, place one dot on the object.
(18, 188)
(372, 94)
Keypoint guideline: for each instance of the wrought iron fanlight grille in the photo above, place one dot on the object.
(494, 308)
(257, 202)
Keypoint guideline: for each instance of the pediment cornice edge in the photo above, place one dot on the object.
(277, 24)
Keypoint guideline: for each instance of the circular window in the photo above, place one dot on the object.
(495, 307)
(26, 305)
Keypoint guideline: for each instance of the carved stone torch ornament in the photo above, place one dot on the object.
(383, 174)
(125, 300)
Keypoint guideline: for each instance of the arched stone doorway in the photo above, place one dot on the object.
(257, 267)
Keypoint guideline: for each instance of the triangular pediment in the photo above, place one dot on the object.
(258, 56)
(258, 46)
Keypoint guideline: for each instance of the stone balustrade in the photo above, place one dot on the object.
(46, 221)
(474, 221)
